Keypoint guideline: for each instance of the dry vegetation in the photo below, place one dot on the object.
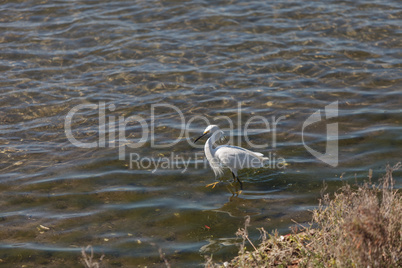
(359, 227)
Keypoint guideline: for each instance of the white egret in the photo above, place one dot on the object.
(232, 157)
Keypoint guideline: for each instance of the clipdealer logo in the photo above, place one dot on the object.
(330, 156)
(112, 133)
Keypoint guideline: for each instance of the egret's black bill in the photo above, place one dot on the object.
(200, 137)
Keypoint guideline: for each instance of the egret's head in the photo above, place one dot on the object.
(209, 130)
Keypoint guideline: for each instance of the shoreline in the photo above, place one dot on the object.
(358, 227)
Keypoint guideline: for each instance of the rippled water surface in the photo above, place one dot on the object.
(226, 61)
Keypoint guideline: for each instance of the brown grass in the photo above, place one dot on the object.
(360, 226)
(89, 261)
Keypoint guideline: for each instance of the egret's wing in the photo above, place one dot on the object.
(237, 158)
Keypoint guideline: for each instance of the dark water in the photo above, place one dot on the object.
(245, 60)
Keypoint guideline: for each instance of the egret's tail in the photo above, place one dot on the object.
(263, 160)
(261, 157)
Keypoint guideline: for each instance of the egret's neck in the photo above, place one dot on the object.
(209, 145)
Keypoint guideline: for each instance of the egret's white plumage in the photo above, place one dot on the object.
(232, 157)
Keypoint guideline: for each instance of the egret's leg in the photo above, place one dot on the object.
(212, 184)
(234, 177)
(241, 184)
(234, 180)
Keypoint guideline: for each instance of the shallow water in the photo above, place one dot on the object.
(278, 60)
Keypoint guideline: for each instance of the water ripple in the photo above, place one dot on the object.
(272, 59)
